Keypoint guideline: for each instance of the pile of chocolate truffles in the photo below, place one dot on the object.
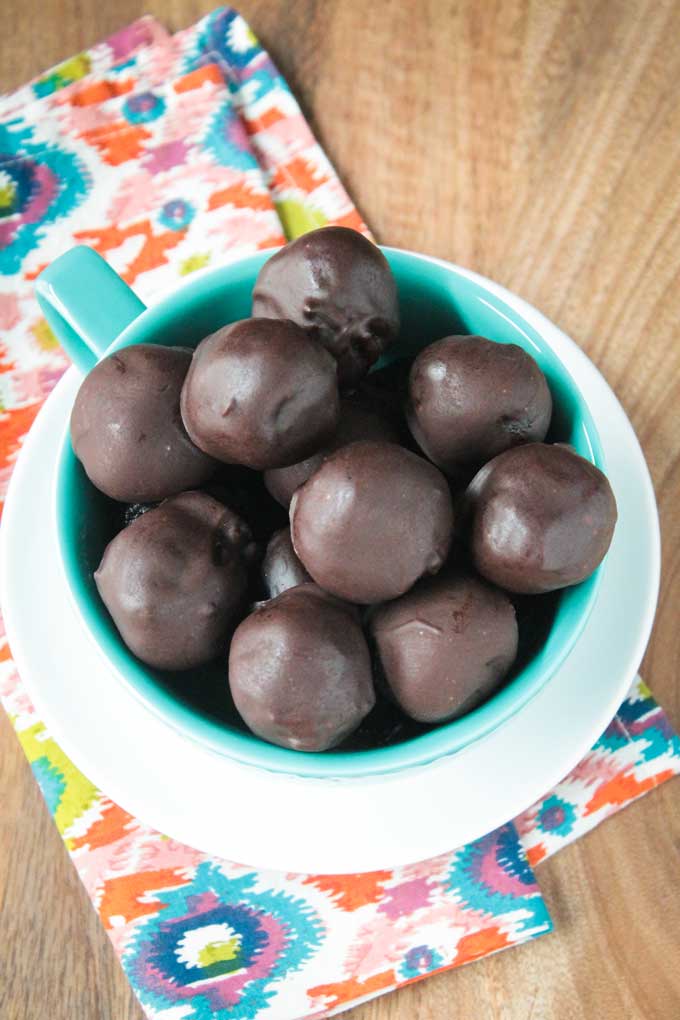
(333, 537)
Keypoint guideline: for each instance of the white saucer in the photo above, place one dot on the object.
(293, 824)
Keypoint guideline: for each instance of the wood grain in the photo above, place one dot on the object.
(539, 143)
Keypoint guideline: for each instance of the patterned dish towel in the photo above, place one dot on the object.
(168, 154)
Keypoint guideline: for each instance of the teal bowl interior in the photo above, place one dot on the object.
(436, 300)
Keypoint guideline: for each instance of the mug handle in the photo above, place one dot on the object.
(86, 304)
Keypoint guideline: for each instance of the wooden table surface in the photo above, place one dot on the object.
(538, 143)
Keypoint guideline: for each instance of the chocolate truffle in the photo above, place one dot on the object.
(371, 521)
(260, 393)
(126, 427)
(470, 399)
(175, 579)
(300, 670)
(445, 645)
(338, 286)
(281, 568)
(357, 421)
(540, 518)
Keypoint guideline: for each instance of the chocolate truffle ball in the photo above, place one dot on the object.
(338, 286)
(300, 670)
(281, 568)
(372, 520)
(470, 399)
(175, 579)
(540, 518)
(357, 421)
(445, 645)
(126, 427)
(260, 393)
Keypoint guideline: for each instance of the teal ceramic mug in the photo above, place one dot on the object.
(93, 312)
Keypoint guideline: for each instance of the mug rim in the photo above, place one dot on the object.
(446, 739)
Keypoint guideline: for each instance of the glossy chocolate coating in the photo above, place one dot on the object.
(300, 670)
(260, 393)
(371, 521)
(357, 421)
(470, 399)
(126, 427)
(175, 580)
(445, 645)
(339, 287)
(281, 568)
(541, 518)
